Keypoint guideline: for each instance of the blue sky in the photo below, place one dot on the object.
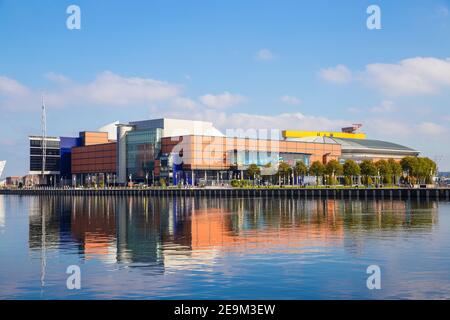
(241, 64)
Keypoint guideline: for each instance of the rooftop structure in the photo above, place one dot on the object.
(347, 133)
(111, 129)
(178, 127)
(352, 129)
(361, 149)
(292, 134)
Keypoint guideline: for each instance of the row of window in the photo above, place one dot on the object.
(51, 164)
(48, 144)
(49, 152)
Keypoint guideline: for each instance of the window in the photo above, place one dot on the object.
(143, 148)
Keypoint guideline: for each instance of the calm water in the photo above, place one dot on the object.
(190, 248)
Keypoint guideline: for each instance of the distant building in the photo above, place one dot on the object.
(2, 167)
(14, 181)
(31, 180)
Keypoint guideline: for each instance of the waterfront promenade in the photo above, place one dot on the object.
(442, 194)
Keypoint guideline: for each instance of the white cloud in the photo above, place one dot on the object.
(10, 87)
(430, 128)
(111, 89)
(265, 55)
(221, 101)
(57, 78)
(409, 77)
(339, 74)
(387, 128)
(186, 103)
(282, 121)
(384, 107)
(14, 95)
(107, 89)
(354, 110)
(415, 76)
(291, 100)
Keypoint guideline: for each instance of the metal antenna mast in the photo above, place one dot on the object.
(44, 137)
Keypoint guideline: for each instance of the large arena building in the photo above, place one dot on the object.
(195, 152)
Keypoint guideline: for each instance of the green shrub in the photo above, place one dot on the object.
(368, 181)
(332, 181)
(348, 181)
(241, 183)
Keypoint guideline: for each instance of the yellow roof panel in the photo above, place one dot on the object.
(303, 134)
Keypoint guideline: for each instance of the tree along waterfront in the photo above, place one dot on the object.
(409, 171)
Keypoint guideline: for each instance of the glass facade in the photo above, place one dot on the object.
(261, 158)
(52, 159)
(66, 145)
(293, 158)
(143, 148)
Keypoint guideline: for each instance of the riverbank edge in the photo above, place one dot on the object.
(442, 194)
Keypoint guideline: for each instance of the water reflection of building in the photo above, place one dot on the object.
(162, 233)
(47, 221)
(388, 214)
(265, 223)
(2, 214)
(138, 231)
(93, 226)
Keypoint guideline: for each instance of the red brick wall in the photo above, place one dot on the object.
(99, 158)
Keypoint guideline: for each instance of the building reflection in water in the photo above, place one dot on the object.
(164, 233)
(2, 214)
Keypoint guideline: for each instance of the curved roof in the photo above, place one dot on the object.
(371, 144)
(359, 145)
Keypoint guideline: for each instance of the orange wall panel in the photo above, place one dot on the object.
(99, 158)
